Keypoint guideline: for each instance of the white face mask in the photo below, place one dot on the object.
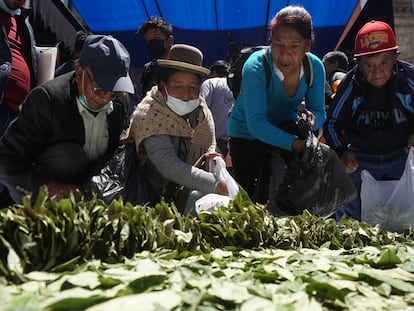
(180, 106)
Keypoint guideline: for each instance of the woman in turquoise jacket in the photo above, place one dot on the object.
(255, 122)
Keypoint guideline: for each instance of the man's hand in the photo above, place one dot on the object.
(410, 143)
(58, 191)
(349, 162)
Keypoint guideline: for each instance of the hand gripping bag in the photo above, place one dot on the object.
(213, 201)
(316, 181)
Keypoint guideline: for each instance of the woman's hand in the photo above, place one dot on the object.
(309, 116)
(126, 140)
(349, 162)
(299, 145)
(221, 188)
(208, 158)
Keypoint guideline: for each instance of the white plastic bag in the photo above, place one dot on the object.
(218, 168)
(389, 202)
(213, 201)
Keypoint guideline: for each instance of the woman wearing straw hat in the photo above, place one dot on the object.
(172, 127)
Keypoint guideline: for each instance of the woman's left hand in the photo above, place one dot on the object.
(311, 118)
(209, 157)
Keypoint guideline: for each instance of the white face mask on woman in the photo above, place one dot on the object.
(181, 107)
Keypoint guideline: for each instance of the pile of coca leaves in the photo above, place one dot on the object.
(58, 236)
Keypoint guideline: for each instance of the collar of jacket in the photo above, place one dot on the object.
(25, 12)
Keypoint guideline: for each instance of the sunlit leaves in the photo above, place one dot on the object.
(118, 256)
(264, 279)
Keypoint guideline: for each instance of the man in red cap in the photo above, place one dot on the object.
(370, 123)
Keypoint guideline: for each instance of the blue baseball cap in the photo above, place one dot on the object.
(109, 62)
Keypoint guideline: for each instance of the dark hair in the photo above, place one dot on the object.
(80, 40)
(297, 17)
(221, 67)
(337, 56)
(156, 22)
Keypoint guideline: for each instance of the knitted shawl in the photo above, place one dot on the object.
(153, 117)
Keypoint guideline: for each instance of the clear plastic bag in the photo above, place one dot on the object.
(389, 203)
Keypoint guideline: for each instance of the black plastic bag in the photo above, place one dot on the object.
(315, 180)
(121, 176)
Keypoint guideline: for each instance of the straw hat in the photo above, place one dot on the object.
(186, 58)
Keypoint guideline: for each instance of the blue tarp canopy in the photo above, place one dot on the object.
(218, 27)
(211, 25)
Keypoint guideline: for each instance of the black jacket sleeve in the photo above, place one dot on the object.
(21, 144)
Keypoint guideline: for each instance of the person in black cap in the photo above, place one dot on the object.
(69, 126)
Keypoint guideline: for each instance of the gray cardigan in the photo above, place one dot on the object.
(166, 163)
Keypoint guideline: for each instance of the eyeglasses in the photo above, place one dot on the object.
(100, 92)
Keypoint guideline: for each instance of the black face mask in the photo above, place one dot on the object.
(156, 48)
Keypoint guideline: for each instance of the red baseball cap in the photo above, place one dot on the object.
(374, 37)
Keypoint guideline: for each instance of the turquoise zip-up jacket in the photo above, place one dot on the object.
(257, 111)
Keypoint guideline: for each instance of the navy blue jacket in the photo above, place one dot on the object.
(352, 126)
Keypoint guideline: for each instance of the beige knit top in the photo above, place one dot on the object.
(153, 117)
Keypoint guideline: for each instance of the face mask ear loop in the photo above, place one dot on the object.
(166, 92)
(83, 82)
